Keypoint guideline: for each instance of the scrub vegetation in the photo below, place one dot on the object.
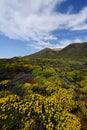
(43, 94)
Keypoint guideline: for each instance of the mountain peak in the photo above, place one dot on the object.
(73, 49)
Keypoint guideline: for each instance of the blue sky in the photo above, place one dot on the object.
(27, 26)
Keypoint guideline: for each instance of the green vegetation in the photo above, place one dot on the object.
(43, 94)
(72, 50)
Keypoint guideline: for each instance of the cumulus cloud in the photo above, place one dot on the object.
(34, 20)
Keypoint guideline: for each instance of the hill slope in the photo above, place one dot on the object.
(72, 50)
(75, 49)
(46, 53)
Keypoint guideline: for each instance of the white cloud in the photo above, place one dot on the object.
(70, 9)
(27, 19)
(60, 44)
(78, 21)
(33, 20)
(65, 42)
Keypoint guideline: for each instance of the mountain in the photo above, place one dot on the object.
(72, 50)
(46, 53)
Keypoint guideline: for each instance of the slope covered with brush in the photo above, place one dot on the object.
(72, 50)
(75, 49)
(46, 53)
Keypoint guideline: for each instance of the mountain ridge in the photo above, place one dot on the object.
(46, 52)
(72, 50)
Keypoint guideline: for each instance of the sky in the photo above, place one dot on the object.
(27, 26)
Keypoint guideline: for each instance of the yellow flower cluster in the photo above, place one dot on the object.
(68, 122)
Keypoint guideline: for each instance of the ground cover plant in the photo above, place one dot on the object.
(43, 94)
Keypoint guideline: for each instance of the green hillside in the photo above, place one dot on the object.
(45, 53)
(75, 49)
(72, 50)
